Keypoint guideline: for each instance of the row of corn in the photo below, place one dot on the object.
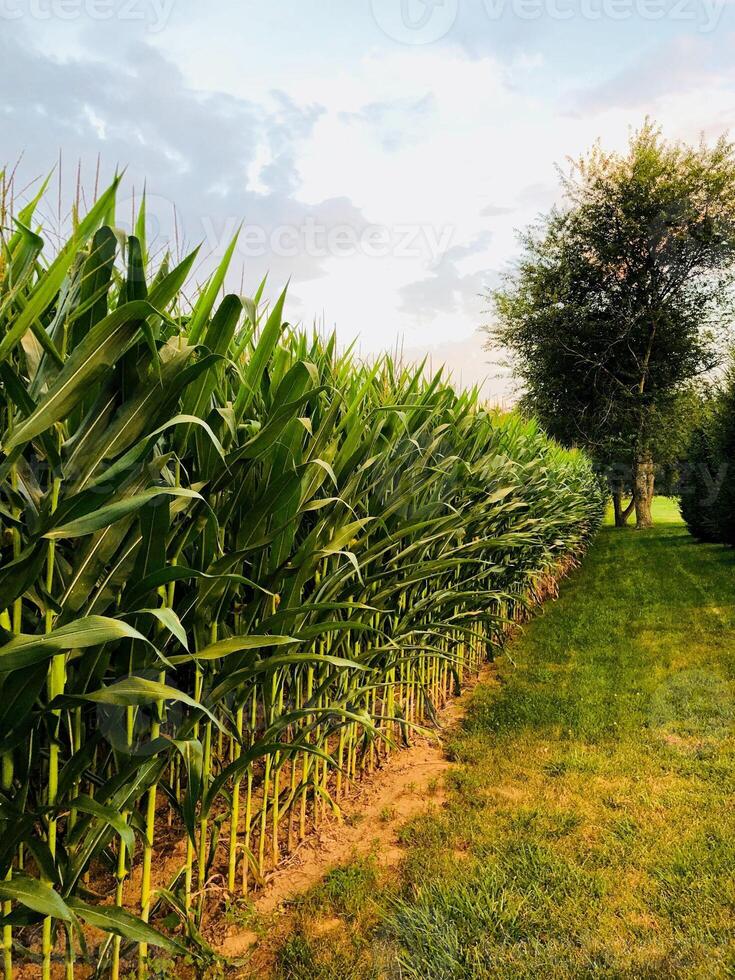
(240, 567)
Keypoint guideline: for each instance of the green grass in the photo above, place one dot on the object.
(590, 828)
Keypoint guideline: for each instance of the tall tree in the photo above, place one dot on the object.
(621, 296)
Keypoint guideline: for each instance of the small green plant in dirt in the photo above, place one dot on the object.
(238, 912)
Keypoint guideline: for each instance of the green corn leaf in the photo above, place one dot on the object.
(167, 288)
(122, 923)
(25, 651)
(92, 807)
(95, 280)
(96, 353)
(116, 511)
(169, 620)
(50, 283)
(135, 284)
(139, 691)
(236, 644)
(35, 895)
(261, 355)
(208, 296)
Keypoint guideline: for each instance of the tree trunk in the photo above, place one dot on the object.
(621, 513)
(643, 479)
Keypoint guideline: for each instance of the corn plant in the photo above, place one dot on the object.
(240, 567)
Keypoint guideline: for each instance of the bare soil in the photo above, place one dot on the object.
(409, 783)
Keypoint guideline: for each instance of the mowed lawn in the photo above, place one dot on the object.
(589, 829)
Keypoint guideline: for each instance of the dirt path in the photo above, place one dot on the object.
(408, 784)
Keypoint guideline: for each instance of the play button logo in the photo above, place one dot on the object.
(415, 21)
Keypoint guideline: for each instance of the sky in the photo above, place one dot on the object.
(380, 155)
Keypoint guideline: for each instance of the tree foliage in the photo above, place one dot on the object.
(622, 294)
(707, 494)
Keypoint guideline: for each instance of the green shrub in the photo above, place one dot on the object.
(707, 495)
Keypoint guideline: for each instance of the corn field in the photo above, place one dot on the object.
(240, 568)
